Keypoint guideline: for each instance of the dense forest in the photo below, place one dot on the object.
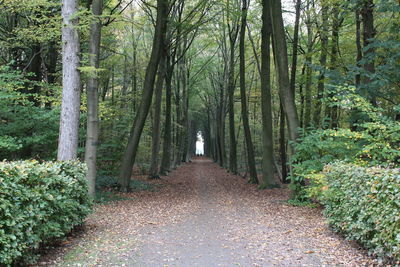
(302, 94)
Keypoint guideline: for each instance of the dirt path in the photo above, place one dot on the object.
(203, 216)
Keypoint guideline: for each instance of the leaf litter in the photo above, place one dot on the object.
(201, 215)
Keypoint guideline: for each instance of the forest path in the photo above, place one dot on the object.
(204, 216)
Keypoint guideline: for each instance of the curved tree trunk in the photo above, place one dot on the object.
(148, 88)
(246, 126)
(281, 61)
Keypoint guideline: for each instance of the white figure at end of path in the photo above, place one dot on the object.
(199, 145)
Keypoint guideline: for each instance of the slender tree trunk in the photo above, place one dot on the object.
(295, 46)
(281, 62)
(266, 103)
(322, 62)
(52, 70)
(166, 157)
(246, 126)
(148, 88)
(231, 107)
(155, 146)
(367, 13)
(179, 124)
(185, 108)
(222, 127)
(302, 97)
(358, 44)
(307, 111)
(71, 93)
(282, 145)
(333, 110)
(92, 135)
(112, 85)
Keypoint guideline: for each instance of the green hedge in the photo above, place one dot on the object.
(39, 202)
(314, 150)
(364, 204)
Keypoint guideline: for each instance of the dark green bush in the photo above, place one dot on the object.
(314, 150)
(376, 143)
(28, 130)
(364, 205)
(39, 202)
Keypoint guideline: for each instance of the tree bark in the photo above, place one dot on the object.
(231, 105)
(246, 126)
(282, 145)
(92, 135)
(155, 146)
(367, 14)
(166, 157)
(71, 93)
(332, 112)
(358, 45)
(295, 46)
(148, 88)
(308, 78)
(268, 180)
(322, 62)
(281, 62)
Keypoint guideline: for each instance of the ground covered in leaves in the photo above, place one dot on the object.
(200, 215)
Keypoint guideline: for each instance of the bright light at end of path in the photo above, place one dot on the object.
(199, 144)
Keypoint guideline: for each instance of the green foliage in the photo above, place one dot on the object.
(26, 129)
(375, 142)
(316, 149)
(382, 146)
(39, 21)
(39, 202)
(363, 204)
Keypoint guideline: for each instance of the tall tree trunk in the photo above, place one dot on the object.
(246, 126)
(71, 93)
(179, 121)
(282, 145)
(358, 45)
(367, 13)
(295, 46)
(322, 62)
(166, 157)
(332, 112)
(92, 135)
(302, 97)
(268, 180)
(155, 146)
(281, 62)
(148, 88)
(185, 108)
(308, 104)
(231, 106)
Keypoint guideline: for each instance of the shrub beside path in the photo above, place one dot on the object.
(203, 216)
